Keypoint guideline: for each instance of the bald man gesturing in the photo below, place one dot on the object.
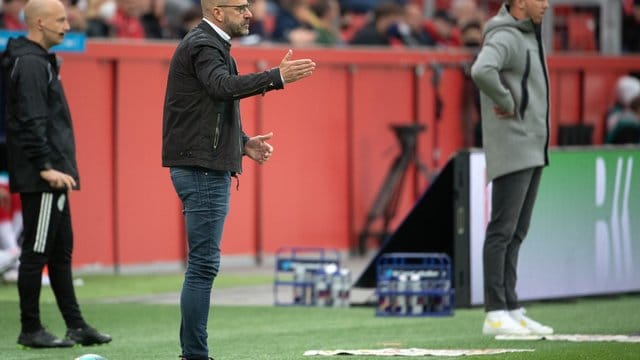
(42, 168)
(203, 145)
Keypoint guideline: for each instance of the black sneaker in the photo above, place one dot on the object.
(184, 358)
(43, 339)
(87, 336)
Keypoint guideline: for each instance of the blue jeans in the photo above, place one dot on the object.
(205, 200)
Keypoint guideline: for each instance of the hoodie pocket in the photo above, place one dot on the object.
(524, 101)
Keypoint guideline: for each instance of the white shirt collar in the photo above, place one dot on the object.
(220, 32)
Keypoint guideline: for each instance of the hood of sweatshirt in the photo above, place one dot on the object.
(21, 46)
(504, 19)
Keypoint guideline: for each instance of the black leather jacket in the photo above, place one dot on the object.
(202, 124)
(39, 128)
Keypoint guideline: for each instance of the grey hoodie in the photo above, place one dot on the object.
(511, 73)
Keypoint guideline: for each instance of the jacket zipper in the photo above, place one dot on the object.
(216, 135)
(240, 144)
(525, 90)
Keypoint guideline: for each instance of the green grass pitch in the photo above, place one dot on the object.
(143, 331)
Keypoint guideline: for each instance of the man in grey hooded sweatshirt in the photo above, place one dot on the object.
(511, 73)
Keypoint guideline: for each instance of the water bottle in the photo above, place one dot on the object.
(298, 284)
(400, 306)
(415, 295)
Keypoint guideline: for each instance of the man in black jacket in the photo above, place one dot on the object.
(203, 144)
(42, 168)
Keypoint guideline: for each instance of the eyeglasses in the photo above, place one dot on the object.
(241, 9)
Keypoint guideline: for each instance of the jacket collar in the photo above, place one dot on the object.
(22, 45)
(208, 28)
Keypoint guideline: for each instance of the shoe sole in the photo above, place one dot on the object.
(493, 332)
(506, 333)
(93, 343)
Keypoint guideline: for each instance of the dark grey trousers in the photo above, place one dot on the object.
(512, 199)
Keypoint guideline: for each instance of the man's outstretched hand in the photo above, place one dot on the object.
(294, 70)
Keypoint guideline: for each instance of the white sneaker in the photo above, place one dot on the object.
(499, 322)
(535, 327)
(7, 260)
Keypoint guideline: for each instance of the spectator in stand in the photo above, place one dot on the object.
(382, 29)
(442, 29)
(627, 88)
(358, 6)
(10, 230)
(294, 23)
(631, 29)
(328, 28)
(76, 16)
(175, 13)
(152, 18)
(625, 125)
(416, 22)
(363, 6)
(190, 19)
(126, 22)
(465, 11)
(471, 34)
(257, 31)
(99, 15)
(11, 17)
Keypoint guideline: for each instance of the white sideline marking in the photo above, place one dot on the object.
(413, 352)
(574, 338)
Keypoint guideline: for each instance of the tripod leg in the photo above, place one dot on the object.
(391, 208)
(389, 186)
(364, 235)
(422, 168)
(387, 199)
(379, 204)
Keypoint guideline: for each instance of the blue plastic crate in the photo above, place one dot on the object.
(414, 284)
(306, 276)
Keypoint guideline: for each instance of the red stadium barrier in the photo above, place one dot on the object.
(333, 144)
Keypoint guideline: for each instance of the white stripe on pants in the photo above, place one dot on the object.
(43, 223)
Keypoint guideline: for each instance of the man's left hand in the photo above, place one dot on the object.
(258, 149)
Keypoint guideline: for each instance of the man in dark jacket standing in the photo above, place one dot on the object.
(42, 168)
(203, 144)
